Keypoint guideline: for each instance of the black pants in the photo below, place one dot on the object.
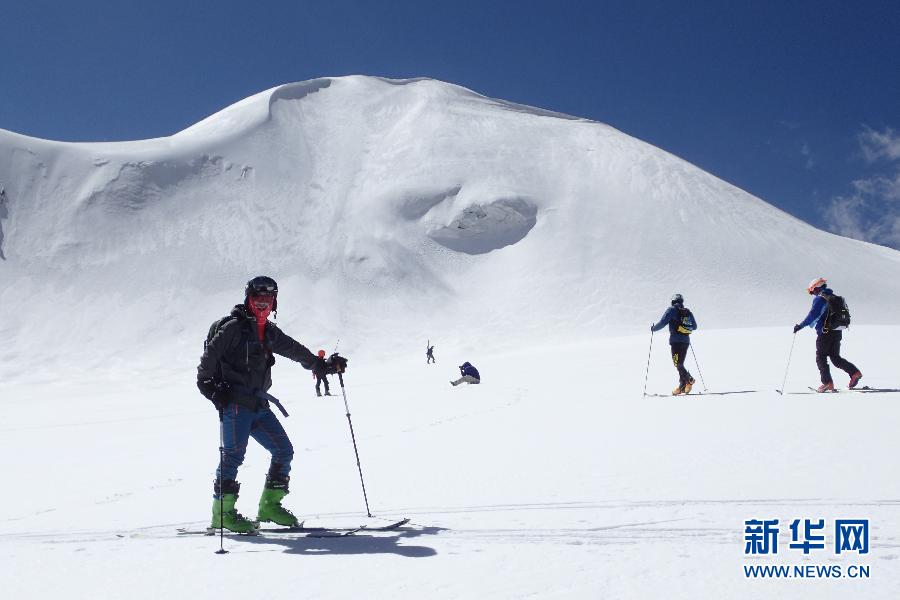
(828, 345)
(679, 354)
(319, 381)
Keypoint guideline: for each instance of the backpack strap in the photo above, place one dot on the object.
(214, 329)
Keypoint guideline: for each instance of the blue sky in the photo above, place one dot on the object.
(796, 102)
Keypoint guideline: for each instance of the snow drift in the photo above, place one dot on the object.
(388, 210)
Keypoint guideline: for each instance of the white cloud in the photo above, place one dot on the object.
(877, 145)
(887, 187)
(807, 153)
(851, 216)
(872, 212)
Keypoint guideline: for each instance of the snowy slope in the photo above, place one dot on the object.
(390, 209)
(536, 245)
(530, 485)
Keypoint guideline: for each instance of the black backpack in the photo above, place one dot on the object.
(837, 315)
(215, 327)
(685, 323)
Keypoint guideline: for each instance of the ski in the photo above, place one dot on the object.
(863, 390)
(310, 533)
(211, 531)
(304, 529)
(313, 532)
(390, 526)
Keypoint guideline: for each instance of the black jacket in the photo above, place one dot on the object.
(320, 368)
(235, 356)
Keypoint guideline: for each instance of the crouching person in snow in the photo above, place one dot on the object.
(235, 373)
(469, 374)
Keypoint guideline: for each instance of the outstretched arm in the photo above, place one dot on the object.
(667, 316)
(288, 347)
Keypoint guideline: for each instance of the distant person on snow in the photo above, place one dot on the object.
(429, 355)
(828, 324)
(320, 371)
(681, 323)
(235, 374)
(469, 374)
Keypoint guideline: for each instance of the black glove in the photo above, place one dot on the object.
(336, 363)
(207, 387)
(215, 392)
(797, 328)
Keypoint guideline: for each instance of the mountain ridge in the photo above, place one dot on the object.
(397, 210)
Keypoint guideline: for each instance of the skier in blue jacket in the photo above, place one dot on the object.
(469, 374)
(681, 323)
(828, 341)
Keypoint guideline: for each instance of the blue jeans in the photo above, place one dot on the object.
(239, 423)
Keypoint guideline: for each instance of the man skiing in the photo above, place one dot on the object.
(469, 374)
(320, 372)
(681, 323)
(429, 354)
(235, 373)
(828, 340)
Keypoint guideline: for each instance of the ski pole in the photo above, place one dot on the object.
(699, 371)
(221, 549)
(783, 383)
(649, 352)
(353, 437)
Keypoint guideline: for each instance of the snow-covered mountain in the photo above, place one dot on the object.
(390, 210)
(536, 245)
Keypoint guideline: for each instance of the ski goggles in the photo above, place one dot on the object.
(263, 288)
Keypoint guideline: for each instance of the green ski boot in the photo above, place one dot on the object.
(271, 510)
(225, 515)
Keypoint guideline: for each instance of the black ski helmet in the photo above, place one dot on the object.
(262, 285)
(677, 299)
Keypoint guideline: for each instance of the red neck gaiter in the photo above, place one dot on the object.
(261, 307)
